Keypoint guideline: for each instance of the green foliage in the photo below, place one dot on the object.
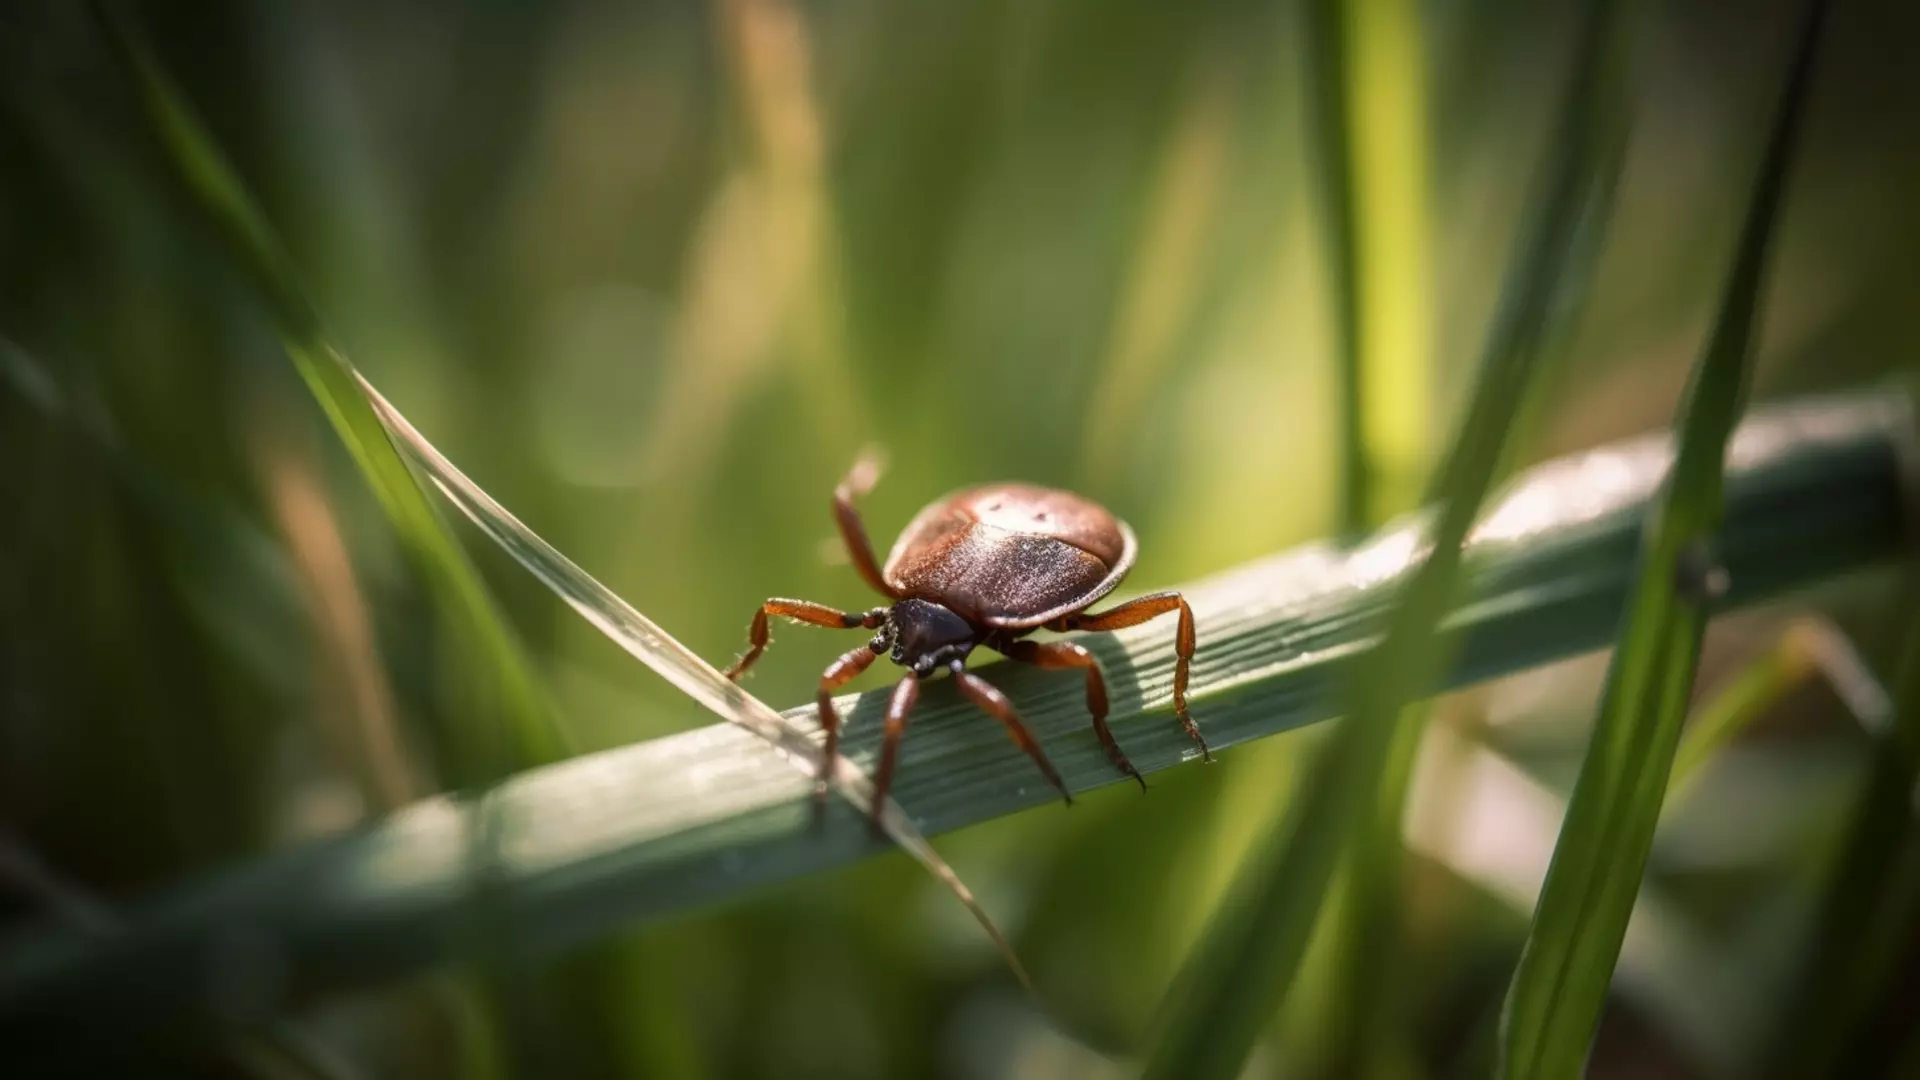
(1560, 986)
(699, 819)
(1868, 907)
(1241, 971)
(651, 274)
(513, 728)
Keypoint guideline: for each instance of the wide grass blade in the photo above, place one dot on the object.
(1241, 970)
(1560, 987)
(600, 842)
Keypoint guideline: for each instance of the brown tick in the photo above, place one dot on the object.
(984, 566)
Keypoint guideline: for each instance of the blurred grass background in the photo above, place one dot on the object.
(652, 274)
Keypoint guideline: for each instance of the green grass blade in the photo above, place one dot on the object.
(1365, 924)
(1729, 712)
(1326, 52)
(1810, 646)
(523, 727)
(1374, 259)
(1241, 970)
(645, 831)
(1367, 90)
(1560, 987)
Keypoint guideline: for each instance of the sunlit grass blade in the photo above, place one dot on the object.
(1245, 963)
(1367, 89)
(1330, 129)
(1560, 987)
(643, 639)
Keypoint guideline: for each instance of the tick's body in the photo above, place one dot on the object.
(984, 566)
(1011, 556)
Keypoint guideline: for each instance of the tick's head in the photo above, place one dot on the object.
(924, 637)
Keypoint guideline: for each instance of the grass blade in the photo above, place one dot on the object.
(1810, 646)
(645, 641)
(1240, 972)
(1554, 1004)
(1815, 489)
(1326, 52)
(1367, 90)
(1733, 708)
(523, 721)
(1364, 919)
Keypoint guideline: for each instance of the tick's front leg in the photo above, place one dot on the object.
(800, 611)
(899, 707)
(838, 674)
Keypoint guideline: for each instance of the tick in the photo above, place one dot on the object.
(985, 566)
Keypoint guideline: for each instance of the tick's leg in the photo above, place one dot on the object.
(1056, 655)
(838, 674)
(858, 481)
(1135, 612)
(995, 704)
(800, 611)
(905, 694)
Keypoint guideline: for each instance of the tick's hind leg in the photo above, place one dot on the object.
(991, 701)
(800, 611)
(1057, 655)
(1135, 612)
